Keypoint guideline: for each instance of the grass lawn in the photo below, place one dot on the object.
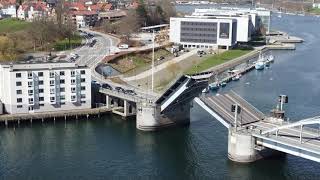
(132, 64)
(217, 59)
(314, 10)
(12, 25)
(64, 44)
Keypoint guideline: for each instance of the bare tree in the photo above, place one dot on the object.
(129, 24)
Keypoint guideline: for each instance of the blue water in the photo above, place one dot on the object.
(111, 147)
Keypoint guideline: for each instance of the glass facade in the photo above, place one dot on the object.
(198, 32)
(224, 30)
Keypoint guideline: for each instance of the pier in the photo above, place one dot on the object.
(10, 118)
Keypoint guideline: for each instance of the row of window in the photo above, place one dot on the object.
(62, 103)
(52, 82)
(52, 91)
(199, 35)
(198, 23)
(199, 40)
(52, 74)
(52, 99)
(198, 29)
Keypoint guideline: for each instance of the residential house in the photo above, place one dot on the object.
(8, 8)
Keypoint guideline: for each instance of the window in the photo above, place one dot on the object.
(18, 83)
(82, 72)
(40, 90)
(41, 98)
(82, 102)
(83, 96)
(62, 103)
(51, 74)
(62, 90)
(18, 75)
(83, 80)
(73, 98)
(73, 73)
(19, 106)
(19, 91)
(83, 88)
(30, 92)
(29, 75)
(61, 73)
(30, 84)
(62, 97)
(51, 91)
(19, 100)
(52, 99)
(30, 100)
(73, 81)
(40, 74)
(61, 81)
(51, 82)
(73, 90)
(41, 82)
(41, 104)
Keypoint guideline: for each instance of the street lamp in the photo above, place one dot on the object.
(237, 110)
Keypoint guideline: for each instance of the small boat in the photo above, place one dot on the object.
(270, 58)
(236, 77)
(205, 90)
(259, 65)
(223, 84)
(214, 86)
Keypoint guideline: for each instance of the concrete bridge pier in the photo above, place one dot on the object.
(243, 147)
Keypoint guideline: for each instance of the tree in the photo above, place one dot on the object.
(168, 10)
(129, 24)
(60, 12)
(7, 52)
(142, 13)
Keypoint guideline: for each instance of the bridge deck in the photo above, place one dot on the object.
(291, 136)
(221, 104)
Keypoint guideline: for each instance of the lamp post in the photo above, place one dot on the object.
(237, 110)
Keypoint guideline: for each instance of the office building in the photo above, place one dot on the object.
(194, 32)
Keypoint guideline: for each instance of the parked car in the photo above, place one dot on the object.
(106, 86)
(120, 89)
(160, 58)
(131, 92)
(123, 46)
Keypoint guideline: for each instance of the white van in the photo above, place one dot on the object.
(123, 46)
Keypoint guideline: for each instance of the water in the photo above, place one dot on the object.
(111, 147)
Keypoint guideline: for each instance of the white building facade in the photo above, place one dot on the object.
(194, 32)
(9, 11)
(44, 87)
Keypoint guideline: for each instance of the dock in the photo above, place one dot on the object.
(54, 115)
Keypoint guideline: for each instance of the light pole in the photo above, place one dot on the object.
(152, 68)
(283, 99)
(237, 110)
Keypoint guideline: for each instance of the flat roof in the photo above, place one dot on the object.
(41, 65)
(156, 26)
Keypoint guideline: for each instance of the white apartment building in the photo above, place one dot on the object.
(45, 86)
(195, 32)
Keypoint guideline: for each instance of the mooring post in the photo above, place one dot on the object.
(87, 116)
(18, 122)
(42, 120)
(6, 123)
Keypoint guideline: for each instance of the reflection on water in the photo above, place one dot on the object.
(112, 147)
